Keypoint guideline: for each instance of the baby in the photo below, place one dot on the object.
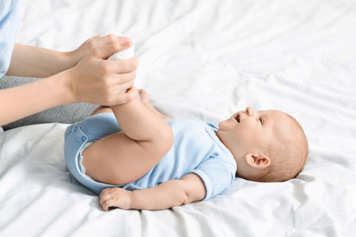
(137, 158)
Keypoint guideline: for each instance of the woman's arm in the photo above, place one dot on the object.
(92, 80)
(30, 61)
(21, 101)
(166, 195)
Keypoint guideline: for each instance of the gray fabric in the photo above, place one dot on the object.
(60, 114)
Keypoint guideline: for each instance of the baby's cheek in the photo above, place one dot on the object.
(249, 139)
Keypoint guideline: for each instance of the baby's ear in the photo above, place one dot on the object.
(257, 160)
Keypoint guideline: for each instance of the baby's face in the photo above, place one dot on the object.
(253, 131)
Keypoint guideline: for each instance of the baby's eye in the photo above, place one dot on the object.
(261, 120)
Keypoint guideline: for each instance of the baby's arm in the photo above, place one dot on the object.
(166, 195)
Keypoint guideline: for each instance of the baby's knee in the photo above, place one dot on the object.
(166, 138)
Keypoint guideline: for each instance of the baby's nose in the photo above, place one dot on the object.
(250, 111)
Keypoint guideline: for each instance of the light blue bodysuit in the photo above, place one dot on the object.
(196, 149)
(8, 25)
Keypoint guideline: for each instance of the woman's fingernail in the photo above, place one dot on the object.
(124, 42)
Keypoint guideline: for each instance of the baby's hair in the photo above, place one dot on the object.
(289, 158)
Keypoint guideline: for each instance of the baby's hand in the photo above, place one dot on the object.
(115, 197)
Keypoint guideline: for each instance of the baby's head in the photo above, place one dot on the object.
(268, 145)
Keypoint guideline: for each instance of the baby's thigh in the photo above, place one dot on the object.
(116, 159)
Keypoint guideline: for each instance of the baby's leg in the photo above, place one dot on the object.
(101, 109)
(127, 155)
(144, 99)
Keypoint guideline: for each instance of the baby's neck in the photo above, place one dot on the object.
(221, 140)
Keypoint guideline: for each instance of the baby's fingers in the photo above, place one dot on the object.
(105, 195)
(107, 204)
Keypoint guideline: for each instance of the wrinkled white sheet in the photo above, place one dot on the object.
(203, 59)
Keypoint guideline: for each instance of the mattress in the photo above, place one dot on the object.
(202, 60)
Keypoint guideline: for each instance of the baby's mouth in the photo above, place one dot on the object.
(237, 118)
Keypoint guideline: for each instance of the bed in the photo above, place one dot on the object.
(202, 60)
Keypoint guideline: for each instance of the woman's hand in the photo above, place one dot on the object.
(99, 47)
(82, 75)
(95, 80)
(30, 61)
(99, 81)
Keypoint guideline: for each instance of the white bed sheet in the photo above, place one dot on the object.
(203, 60)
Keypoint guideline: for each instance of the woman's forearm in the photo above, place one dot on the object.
(29, 61)
(18, 102)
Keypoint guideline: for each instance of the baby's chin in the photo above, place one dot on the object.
(226, 124)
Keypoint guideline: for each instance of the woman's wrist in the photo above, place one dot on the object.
(30, 61)
(63, 80)
(70, 58)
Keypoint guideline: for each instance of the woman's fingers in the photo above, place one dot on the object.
(100, 81)
(117, 96)
(113, 44)
(101, 47)
(123, 66)
(118, 79)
